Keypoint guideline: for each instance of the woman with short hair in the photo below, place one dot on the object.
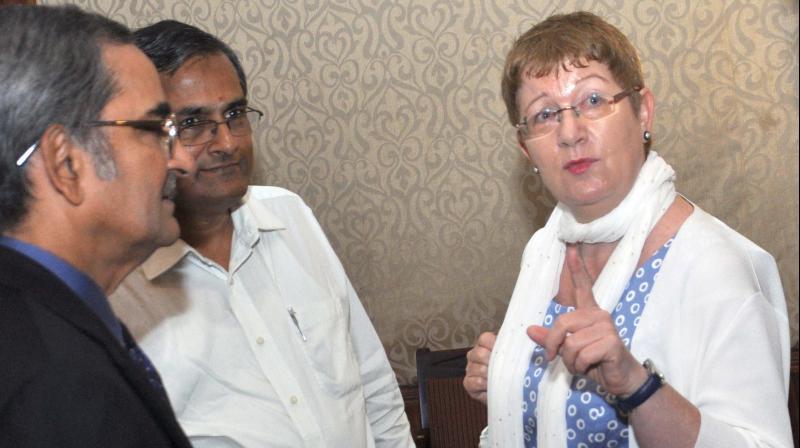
(637, 318)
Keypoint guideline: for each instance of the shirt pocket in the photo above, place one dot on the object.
(328, 346)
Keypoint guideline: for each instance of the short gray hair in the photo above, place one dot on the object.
(52, 69)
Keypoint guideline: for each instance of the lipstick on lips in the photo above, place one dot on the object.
(579, 166)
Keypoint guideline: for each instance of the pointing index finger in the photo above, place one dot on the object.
(581, 281)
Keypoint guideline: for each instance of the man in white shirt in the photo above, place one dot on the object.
(258, 334)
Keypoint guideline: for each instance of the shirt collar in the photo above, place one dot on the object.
(164, 258)
(251, 215)
(81, 284)
(260, 216)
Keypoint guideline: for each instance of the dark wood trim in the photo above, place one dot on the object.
(411, 398)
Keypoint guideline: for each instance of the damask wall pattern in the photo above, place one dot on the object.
(386, 117)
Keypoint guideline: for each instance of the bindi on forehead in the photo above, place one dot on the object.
(209, 82)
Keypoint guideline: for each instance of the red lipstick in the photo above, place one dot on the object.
(579, 166)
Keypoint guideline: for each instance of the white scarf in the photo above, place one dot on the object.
(632, 220)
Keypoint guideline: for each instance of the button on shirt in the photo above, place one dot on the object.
(277, 351)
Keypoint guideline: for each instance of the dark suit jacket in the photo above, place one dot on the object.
(65, 380)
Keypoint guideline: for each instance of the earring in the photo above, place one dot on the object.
(535, 170)
(647, 136)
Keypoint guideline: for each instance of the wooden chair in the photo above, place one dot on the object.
(449, 417)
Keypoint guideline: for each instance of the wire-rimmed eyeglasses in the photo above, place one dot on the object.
(240, 122)
(593, 106)
(164, 128)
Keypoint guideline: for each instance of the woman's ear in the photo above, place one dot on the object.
(64, 163)
(523, 147)
(647, 108)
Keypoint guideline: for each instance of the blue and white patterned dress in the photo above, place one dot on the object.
(591, 418)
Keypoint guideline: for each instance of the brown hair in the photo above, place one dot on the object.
(574, 39)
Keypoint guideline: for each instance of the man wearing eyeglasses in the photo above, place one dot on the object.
(88, 167)
(250, 318)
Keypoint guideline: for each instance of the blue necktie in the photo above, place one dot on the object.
(139, 357)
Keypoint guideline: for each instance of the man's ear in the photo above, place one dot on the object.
(65, 163)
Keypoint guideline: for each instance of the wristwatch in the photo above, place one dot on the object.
(654, 382)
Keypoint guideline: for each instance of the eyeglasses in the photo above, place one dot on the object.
(593, 107)
(163, 128)
(240, 123)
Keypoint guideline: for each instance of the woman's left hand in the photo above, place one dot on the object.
(587, 340)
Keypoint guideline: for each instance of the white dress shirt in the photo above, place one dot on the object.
(276, 351)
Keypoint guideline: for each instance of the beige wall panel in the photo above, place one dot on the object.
(386, 117)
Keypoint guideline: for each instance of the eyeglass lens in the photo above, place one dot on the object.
(204, 132)
(593, 107)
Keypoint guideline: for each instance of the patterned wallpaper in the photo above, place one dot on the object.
(386, 117)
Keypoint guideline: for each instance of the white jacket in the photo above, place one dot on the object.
(717, 328)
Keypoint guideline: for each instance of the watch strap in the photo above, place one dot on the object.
(653, 382)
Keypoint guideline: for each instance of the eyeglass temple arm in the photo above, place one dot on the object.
(27, 154)
(618, 97)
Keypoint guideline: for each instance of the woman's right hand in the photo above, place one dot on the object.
(476, 379)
